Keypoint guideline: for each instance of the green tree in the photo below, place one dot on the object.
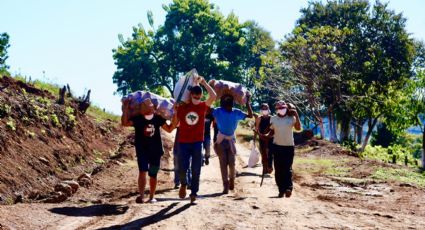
(377, 57)
(194, 35)
(315, 60)
(4, 44)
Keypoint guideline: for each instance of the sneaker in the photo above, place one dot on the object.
(139, 200)
(207, 160)
(280, 194)
(182, 191)
(192, 198)
(288, 193)
(152, 201)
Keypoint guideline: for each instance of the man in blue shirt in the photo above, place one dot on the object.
(227, 118)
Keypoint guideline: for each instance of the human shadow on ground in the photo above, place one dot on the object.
(92, 210)
(152, 219)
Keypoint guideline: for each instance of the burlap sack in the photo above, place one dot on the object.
(222, 87)
(140, 101)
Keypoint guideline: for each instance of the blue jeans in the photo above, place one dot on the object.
(176, 167)
(186, 152)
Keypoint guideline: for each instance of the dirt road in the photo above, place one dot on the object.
(112, 206)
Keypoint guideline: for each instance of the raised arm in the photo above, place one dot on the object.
(125, 121)
(211, 93)
(297, 124)
(248, 106)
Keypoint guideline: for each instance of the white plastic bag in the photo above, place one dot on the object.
(254, 157)
(181, 90)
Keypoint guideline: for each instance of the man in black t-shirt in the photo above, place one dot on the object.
(148, 145)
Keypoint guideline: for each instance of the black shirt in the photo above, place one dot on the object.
(208, 120)
(148, 135)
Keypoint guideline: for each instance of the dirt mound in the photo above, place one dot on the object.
(42, 142)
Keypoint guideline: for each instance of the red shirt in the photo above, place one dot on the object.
(192, 122)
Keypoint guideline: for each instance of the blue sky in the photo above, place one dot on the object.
(72, 41)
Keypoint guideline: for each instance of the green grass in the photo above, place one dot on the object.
(321, 166)
(403, 175)
(93, 110)
(100, 115)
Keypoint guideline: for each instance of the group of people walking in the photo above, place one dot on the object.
(193, 122)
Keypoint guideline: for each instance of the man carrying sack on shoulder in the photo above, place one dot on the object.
(148, 143)
(191, 118)
(227, 119)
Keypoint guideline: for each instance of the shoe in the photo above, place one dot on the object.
(288, 193)
(182, 191)
(176, 186)
(189, 187)
(192, 198)
(139, 200)
(231, 184)
(280, 194)
(207, 160)
(152, 201)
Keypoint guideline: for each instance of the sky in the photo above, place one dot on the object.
(71, 41)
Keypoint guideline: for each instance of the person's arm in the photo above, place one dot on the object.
(248, 106)
(170, 127)
(257, 125)
(125, 121)
(297, 124)
(211, 93)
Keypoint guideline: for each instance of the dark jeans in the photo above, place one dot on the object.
(188, 151)
(176, 167)
(283, 159)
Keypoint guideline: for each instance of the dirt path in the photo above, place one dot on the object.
(248, 207)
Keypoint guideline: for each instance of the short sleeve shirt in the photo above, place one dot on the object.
(283, 130)
(192, 122)
(226, 121)
(148, 135)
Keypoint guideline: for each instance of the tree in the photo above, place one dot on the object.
(313, 55)
(376, 58)
(194, 35)
(4, 44)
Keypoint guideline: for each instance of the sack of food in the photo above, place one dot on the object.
(181, 90)
(223, 87)
(140, 101)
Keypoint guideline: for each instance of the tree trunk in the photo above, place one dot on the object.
(332, 127)
(359, 131)
(371, 125)
(345, 129)
(423, 148)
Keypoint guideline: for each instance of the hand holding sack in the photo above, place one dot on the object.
(140, 102)
(221, 87)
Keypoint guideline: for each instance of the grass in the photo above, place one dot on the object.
(403, 175)
(101, 115)
(321, 166)
(93, 110)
